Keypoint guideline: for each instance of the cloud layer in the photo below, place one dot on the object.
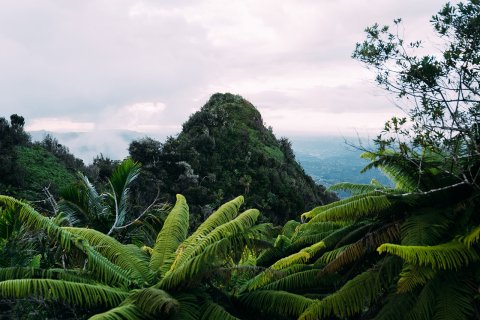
(147, 65)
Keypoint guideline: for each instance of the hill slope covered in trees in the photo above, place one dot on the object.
(225, 150)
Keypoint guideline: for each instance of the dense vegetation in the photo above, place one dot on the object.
(405, 252)
(225, 150)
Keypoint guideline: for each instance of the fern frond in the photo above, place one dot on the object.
(289, 228)
(173, 233)
(154, 302)
(269, 275)
(403, 172)
(367, 244)
(355, 188)
(81, 294)
(359, 200)
(104, 269)
(425, 229)
(447, 296)
(355, 295)
(359, 207)
(301, 280)
(301, 257)
(128, 257)
(212, 311)
(222, 215)
(124, 312)
(236, 226)
(452, 255)
(276, 302)
(395, 306)
(473, 237)
(11, 273)
(413, 276)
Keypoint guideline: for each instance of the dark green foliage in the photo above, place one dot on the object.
(42, 169)
(223, 150)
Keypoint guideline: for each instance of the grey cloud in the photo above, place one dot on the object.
(85, 59)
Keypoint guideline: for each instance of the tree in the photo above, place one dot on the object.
(128, 282)
(440, 92)
(106, 211)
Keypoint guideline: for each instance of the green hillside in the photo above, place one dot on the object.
(225, 150)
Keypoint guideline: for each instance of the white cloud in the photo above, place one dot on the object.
(94, 61)
(59, 125)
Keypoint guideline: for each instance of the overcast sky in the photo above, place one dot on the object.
(97, 66)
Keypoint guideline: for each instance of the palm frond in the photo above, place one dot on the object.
(452, 255)
(173, 233)
(122, 177)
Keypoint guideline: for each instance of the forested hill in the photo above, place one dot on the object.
(225, 150)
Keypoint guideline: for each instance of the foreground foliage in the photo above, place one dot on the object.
(129, 282)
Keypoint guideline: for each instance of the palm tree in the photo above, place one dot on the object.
(176, 278)
(106, 211)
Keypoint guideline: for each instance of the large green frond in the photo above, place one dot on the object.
(301, 257)
(213, 311)
(355, 188)
(154, 302)
(81, 294)
(367, 244)
(276, 302)
(11, 273)
(453, 255)
(236, 226)
(104, 269)
(472, 237)
(173, 233)
(123, 312)
(301, 281)
(447, 296)
(222, 215)
(413, 276)
(128, 257)
(395, 306)
(122, 177)
(269, 276)
(352, 208)
(219, 253)
(355, 295)
(425, 229)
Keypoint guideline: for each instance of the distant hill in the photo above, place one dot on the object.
(330, 160)
(225, 150)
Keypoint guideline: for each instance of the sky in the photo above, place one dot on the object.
(105, 66)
